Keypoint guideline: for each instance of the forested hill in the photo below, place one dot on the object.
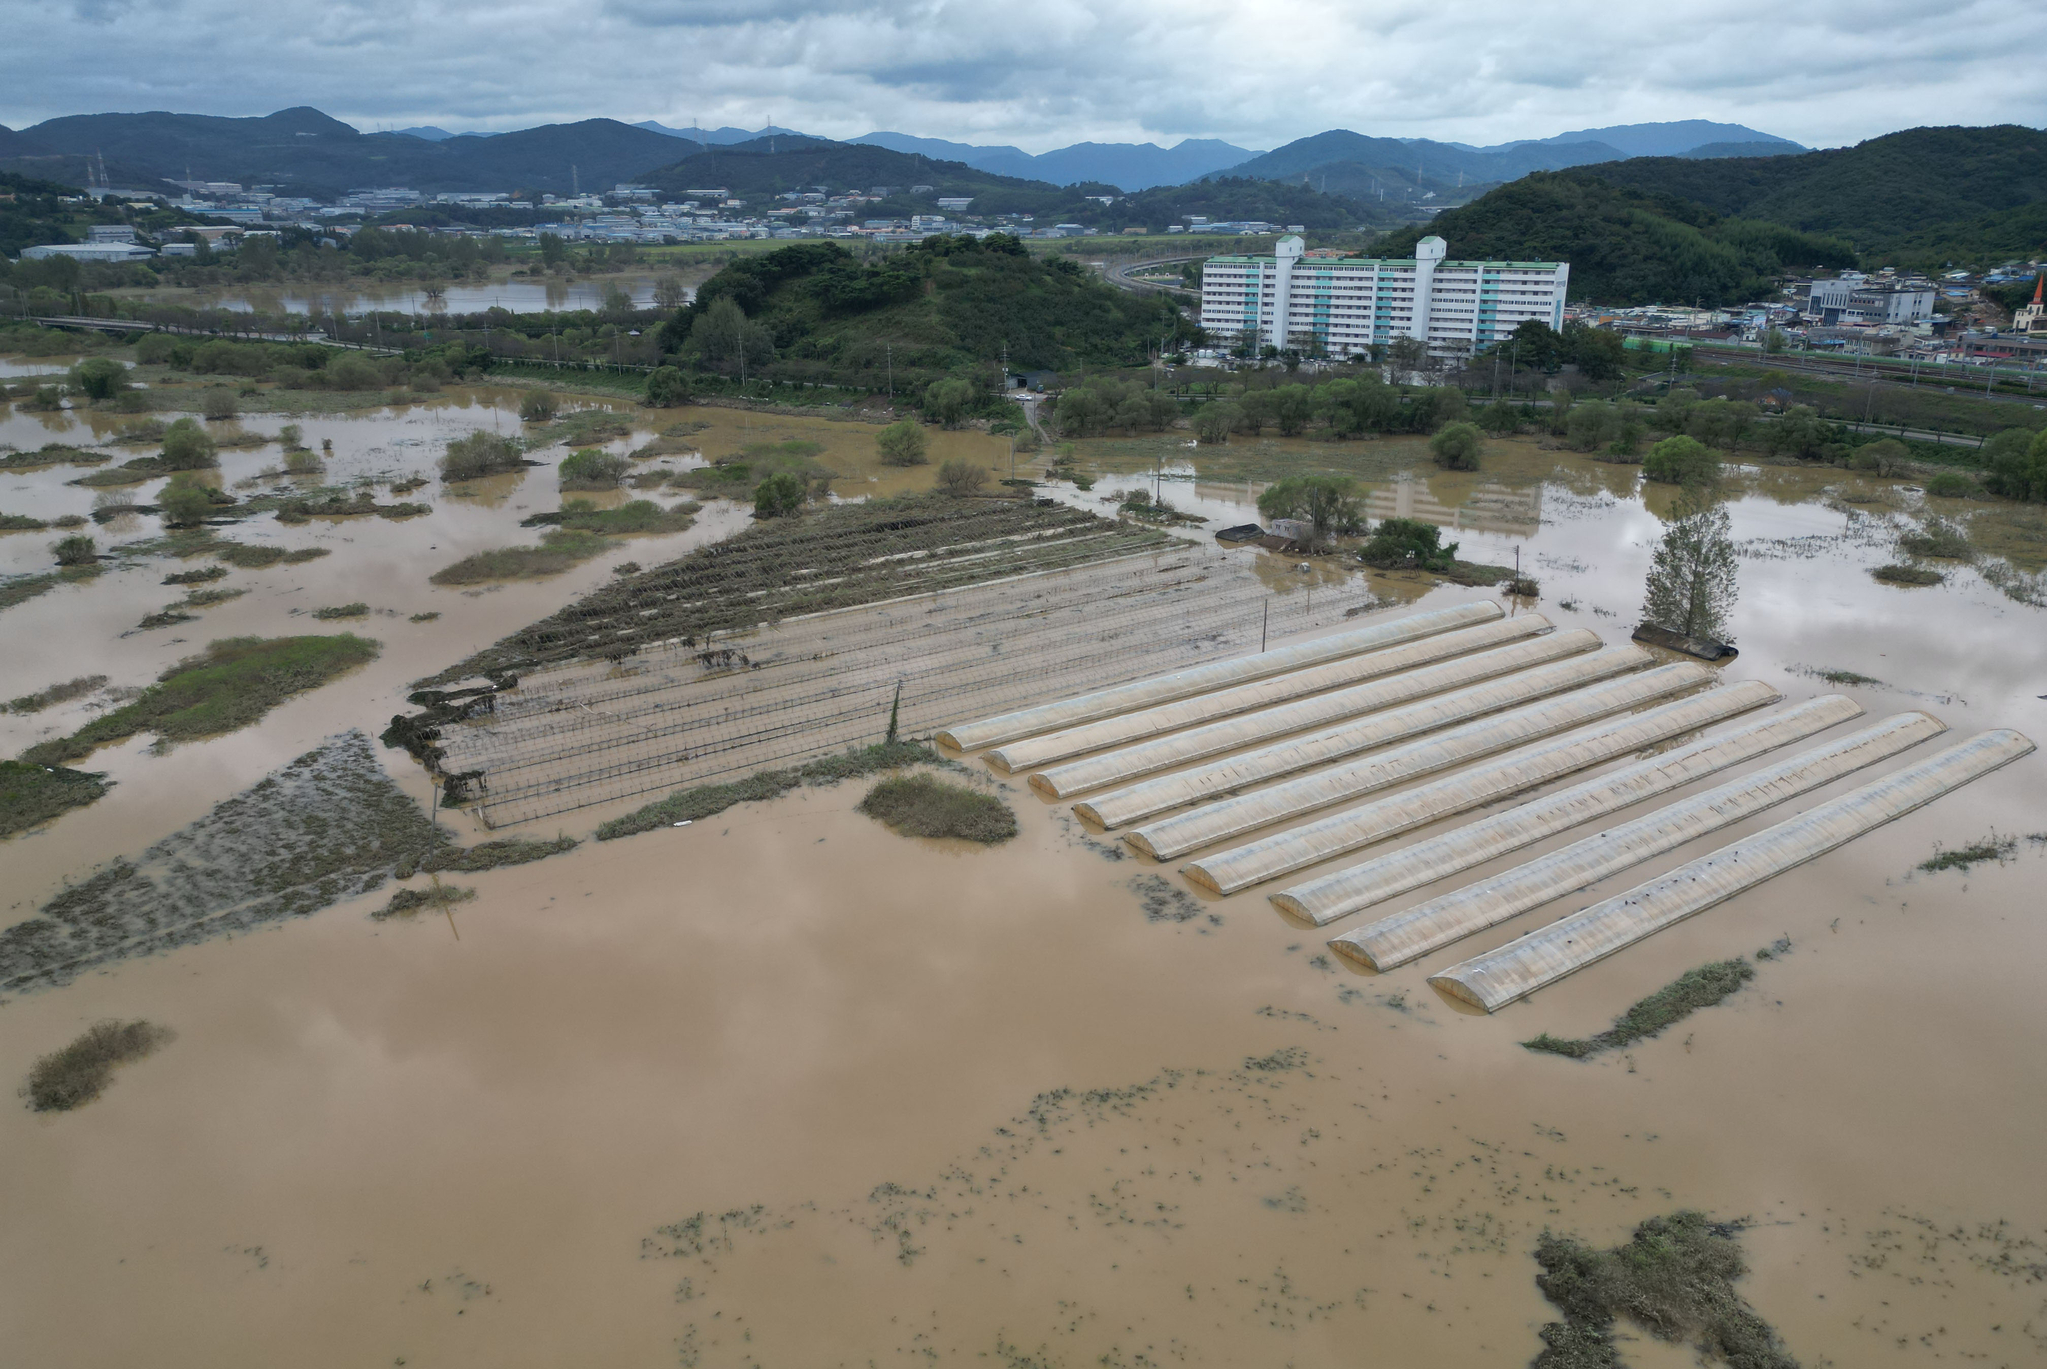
(1624, 246)
(766, 167)
(1916, 198)
(942, 304)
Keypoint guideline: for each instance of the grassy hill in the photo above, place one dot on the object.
(1915, 198)
(938, 305)
(1625, 246)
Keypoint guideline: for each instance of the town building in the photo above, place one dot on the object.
(1350, 305)
(1855, 298)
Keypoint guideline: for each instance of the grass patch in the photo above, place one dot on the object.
(580, 428)
(422, 617)
(406, 902)
(753, 464)
(355, 610)
(127, 473)
(20, 589)
(492, 855)
(56, 694)
(77, 1074)
(51, 454)
(1982, 850)
(560, 550)
(1899, 574)
(31, 794)
(1675, 1001)
(1674, 1278)
(207, 598)
(706, 800)
(246, 557)
(638, 516)
(1938, 538)
(196, 577)
(926, 806)
(334, 506)
(21, 522)
(165, 617)
(1842, 677)
(230, 685)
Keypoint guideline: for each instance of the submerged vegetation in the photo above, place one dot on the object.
(80, 1072)
(328, 826)
(30, 794)
(1978, 852)
(1898, 573)
(1674, 1279)
(491, 855)
(406, 902)
(705, 800)
(56, 694)
(926, 806)
(1675, 1001)
(230, 685)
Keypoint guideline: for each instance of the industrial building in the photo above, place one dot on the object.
(1348, 305)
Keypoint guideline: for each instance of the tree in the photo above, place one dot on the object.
(617, 303)
(1535, 344)
(1692, 581)
(778, 496)
(1682, 461)
(553, 251)
(1774, 341)
(902, 444)
(1216, 421)
(667, 388)
(961, 478)
(218, 403)
(537, 405)
(188, 447)
(1407, 353)
(1330, 502)
(723, 337)
(1800, 432)
(1291, 405)
(670, 292)
(100, 377)
(1886, 456)
(1597, 351)
(1083, 411)
(1499, 418)
(1401, 543)
(1457, 447)
(2018, 465)
(948, 401)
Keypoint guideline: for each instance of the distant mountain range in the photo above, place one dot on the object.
(303, 151)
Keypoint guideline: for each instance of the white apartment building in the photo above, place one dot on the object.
(1350, 305)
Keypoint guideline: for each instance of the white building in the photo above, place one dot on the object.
(1854, 298)
(1350, 305)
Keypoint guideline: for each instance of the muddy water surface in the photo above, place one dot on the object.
(783, 1088)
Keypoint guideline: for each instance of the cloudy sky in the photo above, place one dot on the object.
(1042, 75)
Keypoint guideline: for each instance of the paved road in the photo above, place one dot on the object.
(1118, 274)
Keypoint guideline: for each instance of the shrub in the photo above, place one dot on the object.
(1456, 447)
(100, 377)
(292, 436)
(46, 399)
(76, 1075)
(188, 447)
(1898, 573)
(218, 403)
(925, 806)
(948, 400)
(353, 373)
(77, 550)
(155, 349)
(480, 454)
(1407, 542)
(961, 478)
(537, 406)
(902, 444)
(1887, 457)
(184, 504)
(778, 496)
(667, 388)
(1500, 418)
(1952, 485)
(355, 610)
(593, 469)
(1681, 461)
(302, 461)
(2018, 465)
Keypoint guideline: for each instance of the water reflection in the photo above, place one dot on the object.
(519, 296)
(1485, 508)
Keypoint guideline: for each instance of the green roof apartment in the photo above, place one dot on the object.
(1348, 305)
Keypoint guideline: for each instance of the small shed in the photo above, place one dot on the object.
(1704, 648)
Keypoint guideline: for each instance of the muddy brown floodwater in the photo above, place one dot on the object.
(782, 1088)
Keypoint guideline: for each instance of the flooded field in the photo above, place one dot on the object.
(520, 295)
(781, 1087)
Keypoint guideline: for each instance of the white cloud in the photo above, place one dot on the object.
(1254, 72)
